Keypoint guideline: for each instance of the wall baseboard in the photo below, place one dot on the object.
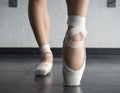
(58, 51)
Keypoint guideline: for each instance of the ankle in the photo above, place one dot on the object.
(45, 49)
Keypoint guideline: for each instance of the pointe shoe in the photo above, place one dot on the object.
(73, 77)
(44, 68)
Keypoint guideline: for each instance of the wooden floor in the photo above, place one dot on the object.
(102, 75)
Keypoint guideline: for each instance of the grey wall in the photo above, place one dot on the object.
(103, 25)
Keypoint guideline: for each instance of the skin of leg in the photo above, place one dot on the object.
(40, 23)
(74, 56)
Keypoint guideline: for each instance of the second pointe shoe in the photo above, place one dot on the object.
(44, 68)
(73, 77)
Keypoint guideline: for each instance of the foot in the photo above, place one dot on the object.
(74, 61)
(74, 56)
(45, 65)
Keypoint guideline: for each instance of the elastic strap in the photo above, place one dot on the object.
(45, 49)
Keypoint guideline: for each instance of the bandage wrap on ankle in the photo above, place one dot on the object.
(78, 23)
(45, 48)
